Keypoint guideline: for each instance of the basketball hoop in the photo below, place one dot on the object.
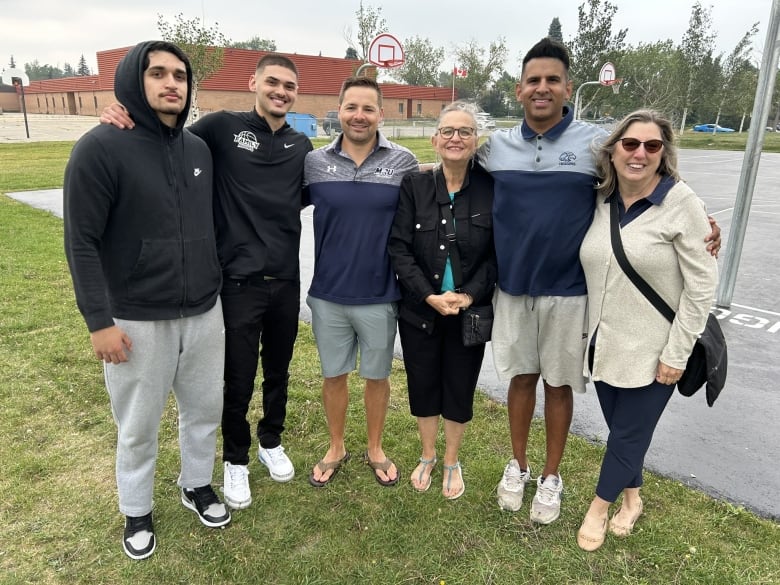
(614, 84)
(385, 51)
(391, 64)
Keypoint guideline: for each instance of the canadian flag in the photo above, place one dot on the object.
(460, 71)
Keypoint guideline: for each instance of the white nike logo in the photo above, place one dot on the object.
(197, 172)
(288, 145)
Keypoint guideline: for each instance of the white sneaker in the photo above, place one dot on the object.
(512, 485)
(278, 464)
(546, 506)
(236, 486)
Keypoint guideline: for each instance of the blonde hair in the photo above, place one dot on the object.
(607, 183)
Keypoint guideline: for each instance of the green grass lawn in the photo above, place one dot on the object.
(59, 515)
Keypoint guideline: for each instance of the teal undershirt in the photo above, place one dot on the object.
(447, 282)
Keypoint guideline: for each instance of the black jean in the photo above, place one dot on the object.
(441, 373)
(257, 312)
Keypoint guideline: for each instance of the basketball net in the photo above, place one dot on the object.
(614, 84)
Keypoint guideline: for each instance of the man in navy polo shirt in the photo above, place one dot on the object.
(545, 174)
(354, 185)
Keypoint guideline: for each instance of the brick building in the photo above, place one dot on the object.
(320, 80)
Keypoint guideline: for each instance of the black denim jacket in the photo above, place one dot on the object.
(418, 245)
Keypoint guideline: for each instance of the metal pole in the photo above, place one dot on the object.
(362, 68)
(577, 98)
(24, 108)
(755, 141)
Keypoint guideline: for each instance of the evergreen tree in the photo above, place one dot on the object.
(83, 69)
(555, 32)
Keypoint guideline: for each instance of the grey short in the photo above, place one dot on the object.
(540, 335)
(340, 330)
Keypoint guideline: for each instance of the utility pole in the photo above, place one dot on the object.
(755, 142)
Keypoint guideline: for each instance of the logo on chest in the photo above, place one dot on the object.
(567, 159)
(384, 172)
(246, 140)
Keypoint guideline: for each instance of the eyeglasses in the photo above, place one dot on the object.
(448, 132)
(651, 146)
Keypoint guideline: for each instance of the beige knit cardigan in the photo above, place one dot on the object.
(665, 245)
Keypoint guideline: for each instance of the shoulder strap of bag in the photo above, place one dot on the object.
(457, 272)
(633, 276)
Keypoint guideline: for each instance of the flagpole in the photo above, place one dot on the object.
(454, 69)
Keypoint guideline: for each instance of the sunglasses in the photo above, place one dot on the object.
(651, 146)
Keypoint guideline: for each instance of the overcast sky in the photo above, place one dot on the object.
(58, 32)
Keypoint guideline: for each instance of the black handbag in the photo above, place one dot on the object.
(708, 362)
(476, 321)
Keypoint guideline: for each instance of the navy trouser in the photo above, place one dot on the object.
(257, 311)
(631, 415)
(441, 374)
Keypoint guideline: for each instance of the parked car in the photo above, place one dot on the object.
(484, 121)
(711, 128)
(331, 124)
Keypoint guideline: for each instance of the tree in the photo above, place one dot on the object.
(422, 62)
(500, 101)
(36, 71)
(68, 70)
(83, 68)
(351, 54)
(370, 23)
(481, 69)
(649, 78)
(555, 32)
(734, 63)
(12, 63)
(255, 44)
(697, 45)
(594, 45)
(204, 47)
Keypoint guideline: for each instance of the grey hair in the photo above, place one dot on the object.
(459, 106)
(607, 183)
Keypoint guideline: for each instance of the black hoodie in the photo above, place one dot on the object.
(139, 230)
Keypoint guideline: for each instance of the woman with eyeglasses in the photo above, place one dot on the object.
(441, 372)
(635, 355)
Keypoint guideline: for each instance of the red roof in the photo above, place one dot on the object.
(317, 76)
(80, 83)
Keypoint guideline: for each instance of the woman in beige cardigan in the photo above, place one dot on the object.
(635, 355)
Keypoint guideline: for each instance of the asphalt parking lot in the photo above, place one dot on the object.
(729, 451)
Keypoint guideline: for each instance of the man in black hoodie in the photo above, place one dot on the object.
(258, 176)
(140, 244)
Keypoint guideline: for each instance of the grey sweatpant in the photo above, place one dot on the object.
(186, 355)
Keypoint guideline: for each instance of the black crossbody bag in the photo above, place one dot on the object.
(477, 322)
(708, 363)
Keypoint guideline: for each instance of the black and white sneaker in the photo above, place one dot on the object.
(138, 540)
(207, 505)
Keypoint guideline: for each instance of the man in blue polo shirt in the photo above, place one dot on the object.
(354, 184)
(545, 174)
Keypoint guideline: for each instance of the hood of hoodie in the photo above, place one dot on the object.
(129, 88)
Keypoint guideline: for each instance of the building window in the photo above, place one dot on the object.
(400, 107)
